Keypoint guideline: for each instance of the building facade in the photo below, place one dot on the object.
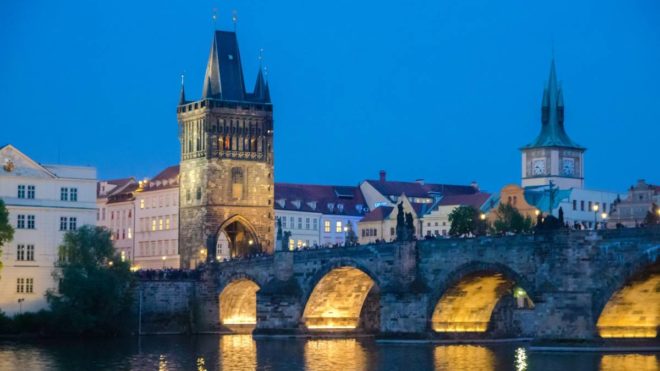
(115, 204)
(226, 170)
(632, 211)
(44, 202)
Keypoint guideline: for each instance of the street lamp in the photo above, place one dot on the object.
(482, 216)
(595, 210)
(164, 258)
(603, 216)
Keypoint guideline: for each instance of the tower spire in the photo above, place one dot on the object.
(182, 94)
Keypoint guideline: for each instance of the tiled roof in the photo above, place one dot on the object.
(124, 195)
(378, 214)
(118, 183)
(169, 173)
(416, 189)
(167, 178)
(475, 200)
(326, 199)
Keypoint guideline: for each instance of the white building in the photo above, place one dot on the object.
(157, 221)
(44, 202)
(144, 218)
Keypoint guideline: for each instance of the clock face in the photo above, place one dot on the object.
(568, 166)
(538, 166)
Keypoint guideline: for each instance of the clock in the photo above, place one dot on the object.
(568, 166)
(538, 166)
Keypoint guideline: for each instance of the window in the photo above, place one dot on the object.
(283, 219)
(167, 223)
(300, 244)
(73, 224)
(299, 223)
(21, 191)
(338, 227)
(574, 205)
(63, 223)
(198, 194)
(29, 285)
(142, 203)
(30, 192)
(307, 223)
(291, 222)
(160, 224)
(326, 226)
(315, 224)
(582, 205)
(237, 180)
(291, 244)
(64, 194)
(392, 231)
(103, 213)
(20, 285)
(20, 252)
(188, 195)
(30, 222)
(604, 207)
(20, 221)
(130, 233)
(30, 253)
(589, 206)
(73, 194)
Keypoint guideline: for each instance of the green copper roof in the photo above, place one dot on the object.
(552, 117)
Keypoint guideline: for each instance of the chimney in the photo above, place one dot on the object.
(383, 175)
(420, 181)
(475, 185)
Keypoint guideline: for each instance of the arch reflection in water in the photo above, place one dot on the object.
(238, 352)
(634, 311)
(468, 306)
(464, 357)
(335, 354)
(630, 362)
(238, 305)
(337, 300)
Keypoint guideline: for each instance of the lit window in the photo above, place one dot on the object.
(167, 223)
(153, 224)
(160, 224)
(142, 203)
(300, 244)
(326, 226)
(291, 244)
(21, 191)
(130, 233)
(123, 255)
(338, 227)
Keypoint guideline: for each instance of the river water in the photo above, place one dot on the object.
(241, 352)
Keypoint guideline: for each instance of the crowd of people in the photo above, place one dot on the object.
(168, 274)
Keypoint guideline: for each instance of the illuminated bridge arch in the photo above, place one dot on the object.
(343, 296)
(630, 306)
(467, 300)
(238, 304)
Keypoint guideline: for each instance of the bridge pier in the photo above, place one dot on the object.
(403, 314)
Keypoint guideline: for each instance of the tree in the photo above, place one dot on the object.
(652, 216)
(351, 237)
(410, 227)
(561, 216)
(463, 221)
(96, 287)
(510, 220)
(400, 223)
(6, 231)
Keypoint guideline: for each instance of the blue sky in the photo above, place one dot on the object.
(441, 90)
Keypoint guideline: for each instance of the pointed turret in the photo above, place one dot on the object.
(259, 93)
(182, 94)
(224, 73)
(267, 93)
(552, 116)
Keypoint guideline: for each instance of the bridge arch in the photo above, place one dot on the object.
(467, 299)
(629, 306)
(343, 295)
(237, 301)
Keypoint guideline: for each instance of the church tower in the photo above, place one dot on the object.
(553, 156)
(226, 169)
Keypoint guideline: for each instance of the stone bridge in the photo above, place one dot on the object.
(567, 285)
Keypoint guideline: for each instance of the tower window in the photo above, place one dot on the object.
(237, 180)
(198, 194)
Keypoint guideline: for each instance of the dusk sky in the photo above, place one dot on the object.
(441, 90)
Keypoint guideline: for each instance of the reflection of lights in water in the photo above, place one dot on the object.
(238, 352)
(335, 354)
(240, 320)
(467, 307)
(201, 364)
(632, 312)
(464, 357)
(632, 362)
(521, 359)
(162, 363)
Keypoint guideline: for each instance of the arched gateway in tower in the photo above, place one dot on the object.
(226, 178)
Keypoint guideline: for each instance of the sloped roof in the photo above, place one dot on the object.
(320, 198)
(540, 198)
(475, 200)
(378, 214)
(416, 189)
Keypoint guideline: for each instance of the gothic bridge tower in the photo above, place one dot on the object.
(226, 176)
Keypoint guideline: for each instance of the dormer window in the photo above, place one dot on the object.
(296, 203)
(281, 202)
(312, 205)
(331, 206)
(340, 208)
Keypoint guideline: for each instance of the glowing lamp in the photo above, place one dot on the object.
(595, 208)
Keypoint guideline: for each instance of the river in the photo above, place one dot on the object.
(241, 352)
